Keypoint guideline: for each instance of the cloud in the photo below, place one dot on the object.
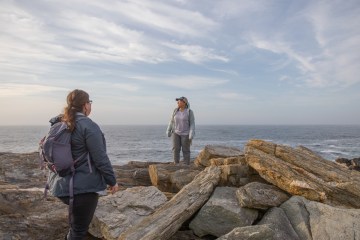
(325, 58)
(125, 32)
(188, 82)
(126, 87)
(194, 82)
(195, 53)
(336, 27)
(232, 9)
(234, 96)
(162, 16)
(9, 89)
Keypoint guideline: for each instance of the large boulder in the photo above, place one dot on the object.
(221, 214)
(261, 196)
(115, 213)
(317, 221)
(299, 171)
(274, 225)
(298, 215)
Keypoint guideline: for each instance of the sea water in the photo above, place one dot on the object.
(150, 143)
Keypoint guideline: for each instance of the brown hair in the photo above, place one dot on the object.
(75, 102)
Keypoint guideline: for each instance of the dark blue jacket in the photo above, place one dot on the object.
(86, 138)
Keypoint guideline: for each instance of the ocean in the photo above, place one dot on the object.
(149, 143)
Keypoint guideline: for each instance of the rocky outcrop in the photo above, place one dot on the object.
(327, 210)
(301, 172)
(24, 212)
(22, 170)
(352, 164)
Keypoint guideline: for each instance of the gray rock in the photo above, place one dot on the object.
(274, 225)
(297, 213)
(260, 196)
(277, 220)
(314, 220)
(257, 232)
(182, 177)
(333, 223)
(115, 213)
(221, 214)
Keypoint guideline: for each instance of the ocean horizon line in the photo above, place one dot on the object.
(222, 124)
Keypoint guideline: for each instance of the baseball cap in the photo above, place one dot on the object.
(184, 99)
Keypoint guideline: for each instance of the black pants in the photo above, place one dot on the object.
(83, 212)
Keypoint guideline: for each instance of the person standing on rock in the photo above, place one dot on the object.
(182, 129)
(94, 171)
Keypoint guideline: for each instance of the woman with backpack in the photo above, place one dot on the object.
(93, 169)
(182, 129)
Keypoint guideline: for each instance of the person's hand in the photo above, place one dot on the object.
(114, 189)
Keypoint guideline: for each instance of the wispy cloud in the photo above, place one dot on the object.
(336, 27)
(7, 89)
(74, 35)
(194, 82)
(189, 82)
(162, 16)
(126, 87)
(333, 59)
(195, 53)
(234, 96)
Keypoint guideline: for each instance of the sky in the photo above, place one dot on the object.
(237, 61)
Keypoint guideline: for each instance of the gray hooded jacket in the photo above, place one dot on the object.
(171, 126)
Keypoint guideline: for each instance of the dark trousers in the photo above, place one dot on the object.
(181, 142)
(82, 214)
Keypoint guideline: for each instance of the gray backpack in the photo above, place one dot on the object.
(55, 154)
(55, 150)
